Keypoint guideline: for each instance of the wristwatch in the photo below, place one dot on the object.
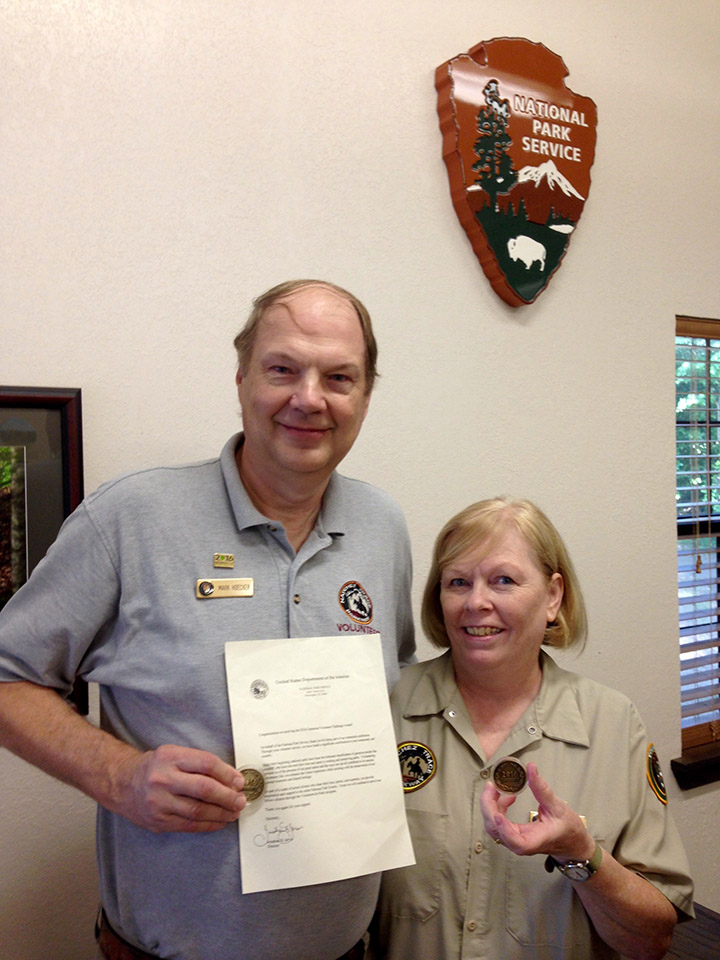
(578, 870)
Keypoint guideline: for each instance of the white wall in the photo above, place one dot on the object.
(163, 161)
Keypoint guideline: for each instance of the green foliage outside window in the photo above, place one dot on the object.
(697, 414)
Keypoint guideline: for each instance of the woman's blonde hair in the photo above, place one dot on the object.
(485, 521)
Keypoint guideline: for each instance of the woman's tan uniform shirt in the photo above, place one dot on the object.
(470, 898)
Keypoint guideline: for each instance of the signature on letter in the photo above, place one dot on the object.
(275, 834)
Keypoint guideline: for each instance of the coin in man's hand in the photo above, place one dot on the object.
(254, 783)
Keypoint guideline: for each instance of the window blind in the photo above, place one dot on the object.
(697, 428)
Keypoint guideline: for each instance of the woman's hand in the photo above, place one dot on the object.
(630, 914)
(558, 830)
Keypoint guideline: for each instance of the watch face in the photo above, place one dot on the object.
(576, 871)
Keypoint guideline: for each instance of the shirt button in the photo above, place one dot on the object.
(485, 773)
(451, 713)
(532, 729)
(271, 528)
(471, 925)
(478, 847)
(296, 598)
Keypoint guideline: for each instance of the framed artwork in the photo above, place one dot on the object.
(41, 481)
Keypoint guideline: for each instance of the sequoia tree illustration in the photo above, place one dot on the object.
(494, 166)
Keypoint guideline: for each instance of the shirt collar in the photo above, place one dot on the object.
(334, 514)
(555, 708)
(246, 514)
(558, 711)
(332, 519)
(435, 690)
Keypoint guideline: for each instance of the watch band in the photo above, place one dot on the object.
(577, 870)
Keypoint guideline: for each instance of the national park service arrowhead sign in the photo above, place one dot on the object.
(518, 145)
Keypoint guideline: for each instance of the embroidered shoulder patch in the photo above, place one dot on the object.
(417, 765)
(654, 774)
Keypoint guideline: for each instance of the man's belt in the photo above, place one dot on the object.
(114, 947)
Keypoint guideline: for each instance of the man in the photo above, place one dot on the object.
(117, 601)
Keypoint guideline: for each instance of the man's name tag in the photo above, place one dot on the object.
(214, 589)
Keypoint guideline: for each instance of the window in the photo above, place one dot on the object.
(697, 428)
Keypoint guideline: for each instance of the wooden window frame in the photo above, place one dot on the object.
(700, 760)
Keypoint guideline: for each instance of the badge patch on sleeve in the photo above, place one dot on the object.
(654, 774)
(417, 765)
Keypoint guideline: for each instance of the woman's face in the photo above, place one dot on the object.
(496, 603)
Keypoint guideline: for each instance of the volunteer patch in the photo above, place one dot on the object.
(355, 602)
(417, 765)
(654, 774)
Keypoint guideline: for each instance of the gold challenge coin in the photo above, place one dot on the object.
(254, 783)
(509, 775)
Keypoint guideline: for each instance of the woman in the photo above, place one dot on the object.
(488, 880)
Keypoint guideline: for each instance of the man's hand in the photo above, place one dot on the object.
(558, 830)
(178, 789)
(170, 788)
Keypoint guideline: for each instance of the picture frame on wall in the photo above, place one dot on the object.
(41, 481)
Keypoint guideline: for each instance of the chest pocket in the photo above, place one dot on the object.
(414, 892)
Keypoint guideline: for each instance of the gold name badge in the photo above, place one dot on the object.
(214, 589)
(224, 560)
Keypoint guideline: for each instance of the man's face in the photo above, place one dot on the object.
(303, 393)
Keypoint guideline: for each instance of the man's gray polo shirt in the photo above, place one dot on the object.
(115, 601)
